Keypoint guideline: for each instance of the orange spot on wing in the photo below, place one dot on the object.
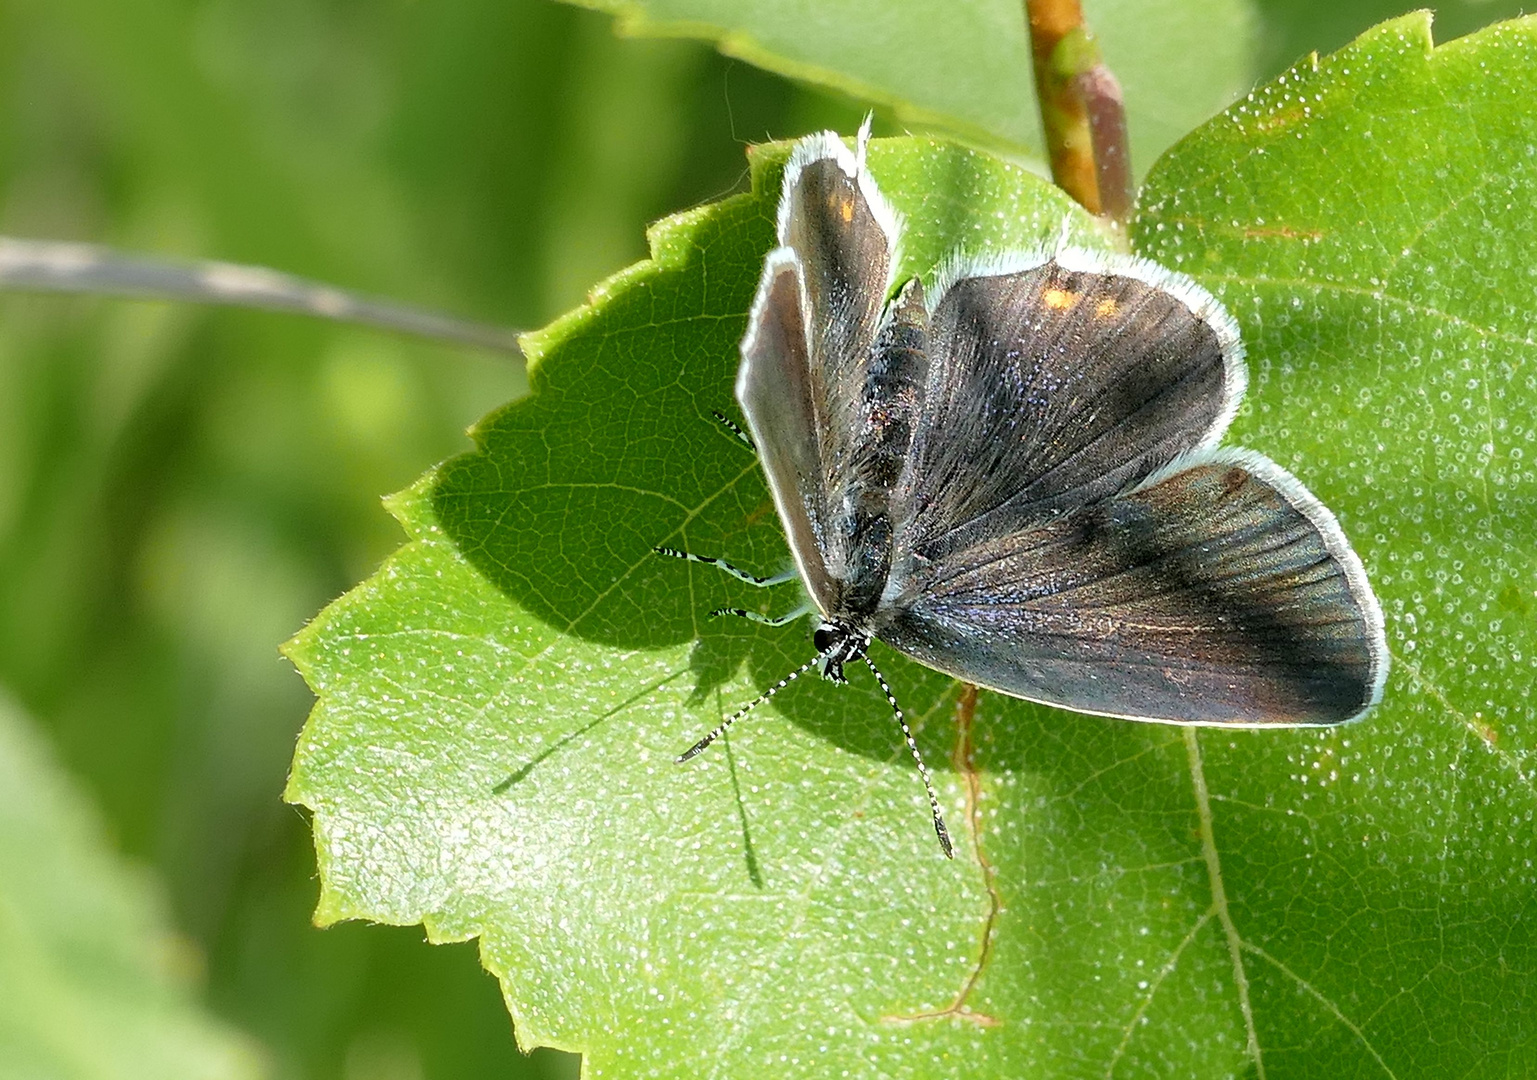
(1105, 308)
(1059, 299)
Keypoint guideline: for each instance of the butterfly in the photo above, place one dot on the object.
(1014, 476)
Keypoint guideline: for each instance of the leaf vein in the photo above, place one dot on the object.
(1164, 972)
(1375, 294)
(1219, 898)
(1431, 690)
(1324, 1001)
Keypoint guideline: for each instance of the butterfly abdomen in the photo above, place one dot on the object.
(893, 392)
(890, 404)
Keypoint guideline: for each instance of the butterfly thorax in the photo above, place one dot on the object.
(890, 404)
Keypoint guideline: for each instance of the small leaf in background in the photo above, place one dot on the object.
(500, 705)
(966, 69)
(93, 984)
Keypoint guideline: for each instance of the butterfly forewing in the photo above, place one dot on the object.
(1055, 385)
(804, 400)
(1222, 593)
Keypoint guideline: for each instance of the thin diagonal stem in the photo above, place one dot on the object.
(57, 267)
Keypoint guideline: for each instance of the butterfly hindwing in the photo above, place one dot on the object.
(1220, 593)
(774, 387)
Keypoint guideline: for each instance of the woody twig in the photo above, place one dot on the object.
(1082, 113)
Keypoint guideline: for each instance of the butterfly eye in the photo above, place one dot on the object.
(824, 638)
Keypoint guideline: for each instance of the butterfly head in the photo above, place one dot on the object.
(838, 644)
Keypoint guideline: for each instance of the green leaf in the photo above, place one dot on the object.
(500, 705)
(966, 69)
(1370, 221)
(1293, 28)
(92, 984)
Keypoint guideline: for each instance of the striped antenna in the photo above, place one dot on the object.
(923, 770)
(698, 747)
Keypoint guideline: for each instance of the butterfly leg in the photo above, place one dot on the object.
(733, 427)
(721, 564)
(765, 620)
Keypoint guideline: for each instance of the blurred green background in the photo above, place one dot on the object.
(181, 488)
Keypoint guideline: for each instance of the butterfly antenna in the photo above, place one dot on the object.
(923, 770)
(698, 747)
